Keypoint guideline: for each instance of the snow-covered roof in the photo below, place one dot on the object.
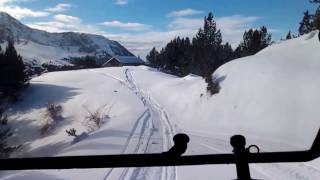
(128, 59)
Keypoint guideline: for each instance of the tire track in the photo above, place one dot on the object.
(145, 135)
(139, 137)
(163, 119)
(138, 128)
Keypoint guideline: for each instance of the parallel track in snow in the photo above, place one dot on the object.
(161, 116)
(151, 133)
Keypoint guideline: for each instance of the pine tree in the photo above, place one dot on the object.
(152, 57)
(227, 53)
(207, 46)
(253, 42)
(12, 71)
(289, 36)
(316, 19)
(306, 24)
(201, 56)
(315, 1)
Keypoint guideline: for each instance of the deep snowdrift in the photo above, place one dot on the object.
(272, 95)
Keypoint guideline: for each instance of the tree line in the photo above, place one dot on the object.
(206, 51)
(310, 22)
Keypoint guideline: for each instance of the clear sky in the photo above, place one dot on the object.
(141, 24)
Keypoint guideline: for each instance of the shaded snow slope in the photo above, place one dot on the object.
(78, 92)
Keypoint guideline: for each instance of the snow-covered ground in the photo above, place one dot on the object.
(272, 98)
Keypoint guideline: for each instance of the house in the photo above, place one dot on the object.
(124, 61)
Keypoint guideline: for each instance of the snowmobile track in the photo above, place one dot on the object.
(145, 136)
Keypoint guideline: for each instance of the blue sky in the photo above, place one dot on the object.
(141, 24)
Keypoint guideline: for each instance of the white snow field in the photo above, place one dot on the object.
(272, 98)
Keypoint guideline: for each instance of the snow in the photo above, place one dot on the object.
(272, 98)
(45, 47)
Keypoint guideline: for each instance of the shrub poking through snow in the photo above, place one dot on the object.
(213, 86)
(77, 138)
(72, 132)
(47, 127)
(95, 119)
(3, 118)
(52, 117)
(5, 149)
(54, 111)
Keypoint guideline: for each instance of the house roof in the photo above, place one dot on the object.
(127, 60)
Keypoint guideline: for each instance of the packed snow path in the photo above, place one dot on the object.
(151, 133)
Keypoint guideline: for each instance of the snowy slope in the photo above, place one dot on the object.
(272, 98)
(44, 47)
(278, 86)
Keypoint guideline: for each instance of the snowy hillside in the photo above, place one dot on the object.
(272, 98)
(44, 47)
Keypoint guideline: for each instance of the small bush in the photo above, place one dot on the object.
(5, 149)
(213, 86)
(47, 127)
(72, 132)
(96, 119)
(54, 111)
(52, 117)
(3, 118)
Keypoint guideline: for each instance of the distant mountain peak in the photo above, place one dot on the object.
(4, 15)
(6, 18)
(40, 45)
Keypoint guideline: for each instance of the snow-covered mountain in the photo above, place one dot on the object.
(272, 98)
(44, 47)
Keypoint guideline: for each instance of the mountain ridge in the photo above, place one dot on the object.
(30, 43)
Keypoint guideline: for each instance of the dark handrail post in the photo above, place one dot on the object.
(238, 142)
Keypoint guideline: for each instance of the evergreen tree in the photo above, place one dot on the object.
(315, 1)
(152, 57)
(85, 62)
(12, 71)
(253, 42)
(289, 36)
(227, 53)
(174, 57)
(207, 46)
(306, 25)
(316, 16)
(201, 56)
(316, 20)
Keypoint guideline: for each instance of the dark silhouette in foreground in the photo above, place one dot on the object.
(180, 145)
(241, 157)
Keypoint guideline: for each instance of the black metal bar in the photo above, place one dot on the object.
(170, 158)
(111, 161)
(238, 143)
